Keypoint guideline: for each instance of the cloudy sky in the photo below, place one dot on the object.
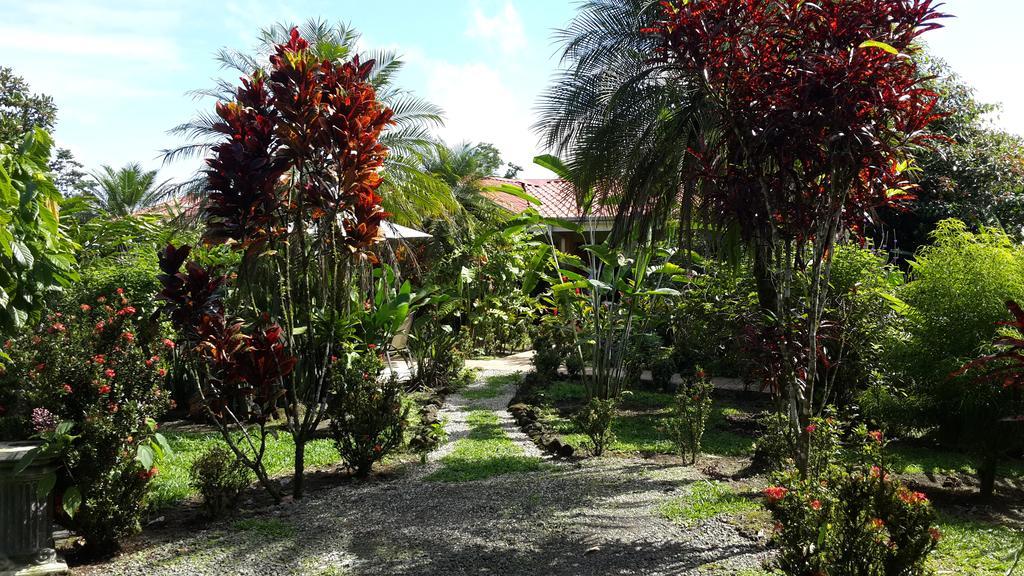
(119, 70)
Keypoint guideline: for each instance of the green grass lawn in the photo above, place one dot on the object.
(638, 427)
(973, 547)
(706, 500)
(486, 451)
(923, 460)
(171, 485)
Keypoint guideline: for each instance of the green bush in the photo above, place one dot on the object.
(595, 420)
(91, 372)
(860, 285)
(218, 476)
(368, 419)
(552, 345)
(957, 294)
(690, 412)
(709, 316)
(852, 519)
(774, 449)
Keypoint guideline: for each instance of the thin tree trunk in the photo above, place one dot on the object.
(298, 482)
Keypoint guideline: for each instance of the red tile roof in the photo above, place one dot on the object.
(557, 199)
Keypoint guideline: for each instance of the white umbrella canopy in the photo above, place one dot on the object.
(392, 231)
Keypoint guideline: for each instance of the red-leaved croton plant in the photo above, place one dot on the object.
(292, 186)
(817, 108)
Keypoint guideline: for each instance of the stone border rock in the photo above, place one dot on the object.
(429, 411)
(528, 419)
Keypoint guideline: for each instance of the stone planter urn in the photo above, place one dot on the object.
(26, 531)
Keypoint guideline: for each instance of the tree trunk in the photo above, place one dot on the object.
(767, 292)
(300, 467)
(987, 475)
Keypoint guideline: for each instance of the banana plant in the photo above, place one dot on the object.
(36, 256)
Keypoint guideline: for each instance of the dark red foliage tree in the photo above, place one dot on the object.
(292, 187)
(818, 108)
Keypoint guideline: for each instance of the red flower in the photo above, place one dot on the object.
(815, 504)
(105, 389)
(58, 327)
(161, 372)
(100, 325)
(119, 291)
(912, 498)
(701, 374)
(126, 311)
(113, 407)
(811, 428)
(371, 346)
(935, 533)
(877, 523)
(109, 373)
(147, 474)
(877, 435)
(775, 493)
(85, 307)
(99, 359)
(67, 389)
(169, 344)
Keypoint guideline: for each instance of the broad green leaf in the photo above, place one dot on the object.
(164, 445)
(27, 460)
(72, 501)
(45, 485)
(21, 253)
(662, 292)
(145, 456)
(880, 45)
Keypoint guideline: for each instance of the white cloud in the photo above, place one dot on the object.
(504, 28)
(480, 106)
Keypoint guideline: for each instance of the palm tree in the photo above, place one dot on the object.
(464, 168)
(409, 194)
(623, 120)
(127, 190)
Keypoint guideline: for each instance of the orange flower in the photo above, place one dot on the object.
(775, 493)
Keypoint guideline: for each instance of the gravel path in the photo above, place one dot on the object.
(592, 517)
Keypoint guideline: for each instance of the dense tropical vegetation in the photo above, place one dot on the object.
(811, 279)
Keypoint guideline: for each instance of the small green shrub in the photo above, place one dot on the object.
(774, 449)
(691, 409)
(662, 370)
(574, 364)
(595, 420)
(368, 419)
(218, 476)
(852, 519)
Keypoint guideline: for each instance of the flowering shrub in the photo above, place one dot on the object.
(690, 413)
(368, 419)
(852, 519)
(88, 383)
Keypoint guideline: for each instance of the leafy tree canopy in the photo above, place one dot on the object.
(21, 110)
